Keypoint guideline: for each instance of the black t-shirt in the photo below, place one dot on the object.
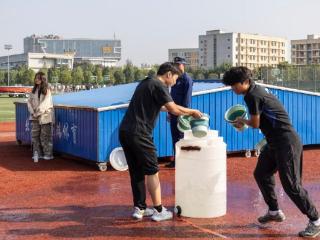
(150, 95)
(274, 120)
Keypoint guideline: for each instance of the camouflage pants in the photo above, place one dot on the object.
(42, 138)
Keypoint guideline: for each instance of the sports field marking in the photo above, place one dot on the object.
(204, 229)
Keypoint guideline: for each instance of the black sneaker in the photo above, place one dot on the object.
(311, 231)
(171, 164)
(279, 217)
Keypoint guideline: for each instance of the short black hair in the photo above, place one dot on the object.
(236, 75)
(168, 67)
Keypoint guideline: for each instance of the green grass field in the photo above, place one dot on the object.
(7, 108)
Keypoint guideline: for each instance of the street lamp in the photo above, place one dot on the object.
(8, 47)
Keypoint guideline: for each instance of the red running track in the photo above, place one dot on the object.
(67, 199)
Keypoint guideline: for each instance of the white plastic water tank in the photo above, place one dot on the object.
(201, 176)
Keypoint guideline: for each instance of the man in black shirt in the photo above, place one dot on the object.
(135, 136)
(283, 152)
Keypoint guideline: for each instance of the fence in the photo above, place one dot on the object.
(298, 77)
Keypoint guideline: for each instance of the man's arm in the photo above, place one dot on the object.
(253, 122)
(179, 110)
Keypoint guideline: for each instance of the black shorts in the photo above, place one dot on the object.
(140, 153)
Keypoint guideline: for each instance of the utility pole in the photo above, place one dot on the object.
(8, 47)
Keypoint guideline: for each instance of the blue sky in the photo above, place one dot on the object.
(148, 28)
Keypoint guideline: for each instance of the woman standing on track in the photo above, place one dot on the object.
(41, 111)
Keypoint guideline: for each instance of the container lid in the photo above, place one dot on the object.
(118, 160)
(184, 123)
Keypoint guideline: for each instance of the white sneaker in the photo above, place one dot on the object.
(140, 213)
(47, 157)
(165, 214)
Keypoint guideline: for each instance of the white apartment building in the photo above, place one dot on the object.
(306, 51)
(191, 55)
(240, 49)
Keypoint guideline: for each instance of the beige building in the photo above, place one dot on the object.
(306, 51)
(37, 61)
(191, 55)
(240, 49)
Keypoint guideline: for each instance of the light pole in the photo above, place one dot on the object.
(8, 47)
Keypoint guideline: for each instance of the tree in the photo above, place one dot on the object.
(151, 73)
(99, 77)
(65, 76)
(2, 78)
(197, 74)
(106, 72)
(86, 66)
(206, 74)
(284, 65)
(213, 75)
(138, 74)
(28, 77)
(14, 77)
(128, 72)
(87, 76)
(222, 68)
(53, 75)
(77, 76)
(44, 70)
(119, 77)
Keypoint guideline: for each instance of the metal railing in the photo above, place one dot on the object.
(298, 77)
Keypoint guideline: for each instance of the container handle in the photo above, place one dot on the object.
(190, 148)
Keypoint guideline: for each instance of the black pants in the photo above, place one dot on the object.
(142, 160)
(175, 133)
(286, 158)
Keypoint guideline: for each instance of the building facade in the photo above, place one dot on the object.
(306, 51)
(240, 49)
(96, 51)
(191, 55)
(37, 61)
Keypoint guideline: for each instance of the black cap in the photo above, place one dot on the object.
(179, 60)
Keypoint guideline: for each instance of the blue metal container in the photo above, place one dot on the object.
(87, 122)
